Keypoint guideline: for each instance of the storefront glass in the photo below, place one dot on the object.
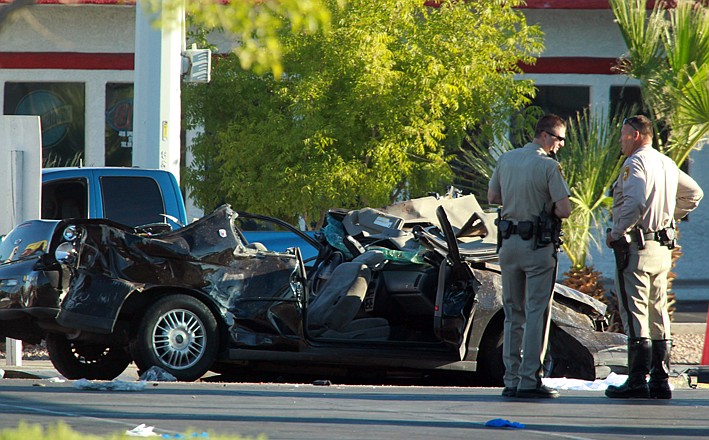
(61, 108)
(119, 124)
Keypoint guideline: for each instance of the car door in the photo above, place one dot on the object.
(455, 296)
(266, 299)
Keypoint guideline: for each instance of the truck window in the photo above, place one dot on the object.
(133, 201)
(65, 198)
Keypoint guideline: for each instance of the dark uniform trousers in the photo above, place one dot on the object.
(528, 277)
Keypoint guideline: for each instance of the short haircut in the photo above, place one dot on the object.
(640, 123)
(549, 122)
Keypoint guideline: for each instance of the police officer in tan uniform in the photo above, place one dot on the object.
(527, 181)
(650, 194)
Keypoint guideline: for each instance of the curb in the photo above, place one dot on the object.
(688, 328)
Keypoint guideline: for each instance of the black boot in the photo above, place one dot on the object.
(639, 354)
(660, 370)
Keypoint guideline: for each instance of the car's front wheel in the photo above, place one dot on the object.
(86, 360)
(177, 334)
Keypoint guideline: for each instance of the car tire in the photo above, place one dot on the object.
(177, 334)
(491, 368)
(86, 360)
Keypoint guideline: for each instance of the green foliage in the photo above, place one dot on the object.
(591, 161)
(62, 431)
(367, 111)
(257, 25)
(668, 51)
(477, 159)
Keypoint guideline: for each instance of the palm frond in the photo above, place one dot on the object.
(668, 52)
(644, 42)
(475, 162)
(591, 161)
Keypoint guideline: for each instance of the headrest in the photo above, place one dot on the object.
(368, 221)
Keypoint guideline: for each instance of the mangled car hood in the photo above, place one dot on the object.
(207, 256)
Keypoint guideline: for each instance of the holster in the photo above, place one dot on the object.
(500, 226)
(639, 237)
(621, 250)
(667, 237)
(548, 230)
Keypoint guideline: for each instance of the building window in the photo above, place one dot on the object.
(61, 108)
(119, 124)
(564, 101)
(626, 98)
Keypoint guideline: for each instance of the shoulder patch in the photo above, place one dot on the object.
(626, 172)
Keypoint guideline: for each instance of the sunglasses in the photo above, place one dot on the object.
(561, 139)
(629, 121)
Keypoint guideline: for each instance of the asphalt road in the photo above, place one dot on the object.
(33, 393)
(308, 412)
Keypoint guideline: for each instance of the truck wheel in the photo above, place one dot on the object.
(86, 360)
(177, 334)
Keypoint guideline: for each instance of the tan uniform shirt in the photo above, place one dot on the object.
(650, 191)
(529, 181)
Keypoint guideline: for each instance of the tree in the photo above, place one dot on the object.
(367, 110)
(668, 51)
(591, 162)
(257, 25)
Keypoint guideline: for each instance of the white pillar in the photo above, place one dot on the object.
(95, 115)
(599, 93)
(156, 101)
(193, 212)
(20, 186)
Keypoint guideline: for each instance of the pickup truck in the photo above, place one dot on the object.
(131, 196)
(136, 197)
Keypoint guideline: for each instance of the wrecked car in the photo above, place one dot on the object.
(414, 287)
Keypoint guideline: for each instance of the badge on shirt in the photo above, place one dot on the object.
(626, 173)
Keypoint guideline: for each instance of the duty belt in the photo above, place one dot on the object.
(524, 229)
(646, 236)
(665, 236)
(649, 236)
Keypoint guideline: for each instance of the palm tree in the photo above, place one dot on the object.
(668, 52)
(476, 160)
(591, 162)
